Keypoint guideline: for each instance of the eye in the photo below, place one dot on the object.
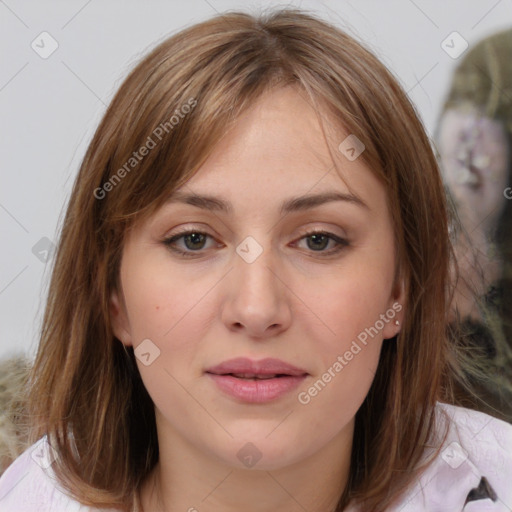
(194, 242)
(317, 241)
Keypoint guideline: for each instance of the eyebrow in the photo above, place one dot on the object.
(293, 204)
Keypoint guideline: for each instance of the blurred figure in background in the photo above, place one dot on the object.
(474, 140)
(13, 435)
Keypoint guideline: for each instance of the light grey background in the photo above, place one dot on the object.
(50, 107)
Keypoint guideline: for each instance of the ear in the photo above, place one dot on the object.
(119, 318)
(396, 311)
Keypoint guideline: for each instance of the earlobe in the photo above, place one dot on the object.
(396, 311)
(119, 319)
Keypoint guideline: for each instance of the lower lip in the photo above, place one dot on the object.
(258, 390)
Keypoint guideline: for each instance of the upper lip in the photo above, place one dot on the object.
(268, 366)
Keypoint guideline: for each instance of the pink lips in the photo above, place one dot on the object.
(256, 381)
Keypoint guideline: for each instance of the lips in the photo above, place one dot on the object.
(245, 368)
(256, 381)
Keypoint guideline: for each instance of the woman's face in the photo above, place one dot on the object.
(475, 164)
(254, 283)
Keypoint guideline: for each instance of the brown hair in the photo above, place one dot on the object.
(85, 381)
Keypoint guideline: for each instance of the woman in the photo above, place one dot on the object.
(248, 305)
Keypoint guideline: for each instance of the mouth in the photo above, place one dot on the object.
(249, 376)
(245, 368)
(256, 381)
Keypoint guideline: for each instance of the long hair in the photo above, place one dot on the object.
(178, 102)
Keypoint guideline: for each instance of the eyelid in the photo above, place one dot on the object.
(180, 233)
(200, 229)
(341, 241)
(316, 229)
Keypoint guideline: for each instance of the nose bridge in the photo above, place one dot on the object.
(254, 264)
(257, 299)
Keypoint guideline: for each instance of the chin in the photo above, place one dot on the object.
(260, 452)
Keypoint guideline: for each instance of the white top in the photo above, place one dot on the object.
(473, 473)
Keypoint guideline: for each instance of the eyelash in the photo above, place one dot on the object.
(170, 242)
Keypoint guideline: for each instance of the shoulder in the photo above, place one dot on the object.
(472, 472)
(29, 484)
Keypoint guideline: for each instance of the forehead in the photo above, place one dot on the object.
(282, 146)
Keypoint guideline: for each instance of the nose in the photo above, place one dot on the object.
(257, 298)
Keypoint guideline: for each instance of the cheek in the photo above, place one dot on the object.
(348, 347)
(161, 297)
(354, 309)
(355, 297)
(170, 306)
(354, 335)
(164, 307)
(332, 397)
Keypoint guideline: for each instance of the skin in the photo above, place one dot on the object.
(475, 164)
(291, 303)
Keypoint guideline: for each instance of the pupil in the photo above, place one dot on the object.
(316, 238)
(196, 238)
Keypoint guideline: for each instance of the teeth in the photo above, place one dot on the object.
(253, 376)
